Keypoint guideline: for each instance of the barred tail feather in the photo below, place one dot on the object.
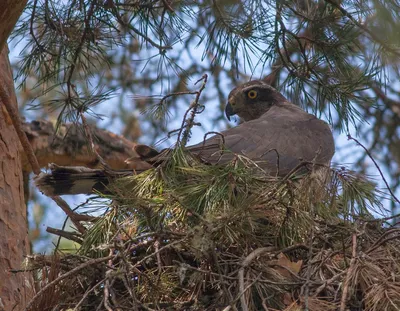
(76, 180)
(73, 180)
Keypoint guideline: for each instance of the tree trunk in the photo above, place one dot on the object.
(10, 11)
(14, 288)
(14, 245)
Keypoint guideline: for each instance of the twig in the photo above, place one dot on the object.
(78, 50)
(158, 256)
(64, 276)
(376, 165)
(293, 247)
(65, 234)
(158, 251)
(90, 138)
(309, 266)
(165, 97)
(241, 294)
(349, 273)
(290, 48)
(107, 285)
(199, 270)
(327, 282)
(87, 294)
(167, 5)
(131, 292)
(277, 159)
(363, 27)
(194, 108)
(382, 240)
(70, 213)
(254, 254)
(161, 48)
(215, 133)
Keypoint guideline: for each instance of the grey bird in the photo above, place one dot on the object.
(276, 134)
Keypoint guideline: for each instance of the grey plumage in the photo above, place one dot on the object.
(275, 134)
(278, 141)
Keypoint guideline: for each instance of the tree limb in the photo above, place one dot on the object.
(69, 146)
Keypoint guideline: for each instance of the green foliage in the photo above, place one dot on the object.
(236, 202)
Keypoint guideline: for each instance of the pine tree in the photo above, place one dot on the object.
(180, 237)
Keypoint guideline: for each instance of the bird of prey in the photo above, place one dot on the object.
(276, 134)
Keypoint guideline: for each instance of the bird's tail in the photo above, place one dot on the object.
(82, 180)
(76, 180)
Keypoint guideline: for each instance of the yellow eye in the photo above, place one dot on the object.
(252, 94)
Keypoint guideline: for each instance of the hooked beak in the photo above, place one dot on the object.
(229, 111)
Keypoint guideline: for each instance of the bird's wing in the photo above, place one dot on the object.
(278, 141)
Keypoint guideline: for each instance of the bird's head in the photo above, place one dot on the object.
(252, 99)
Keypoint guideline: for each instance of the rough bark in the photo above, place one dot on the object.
(10, 11)
(14, 245)
(14, 288)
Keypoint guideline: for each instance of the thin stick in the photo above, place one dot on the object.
(107, 286)
(254, 254)
(327, 282)
(64, 276)
(65, 234)
(70, 213)
(373, 36)
(376, 165)
(158, 251)
(90, 138)
(309, 267)
(77, 307)
(349, 273)
(193, 107)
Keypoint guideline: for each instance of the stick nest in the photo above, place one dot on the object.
(190, 236)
